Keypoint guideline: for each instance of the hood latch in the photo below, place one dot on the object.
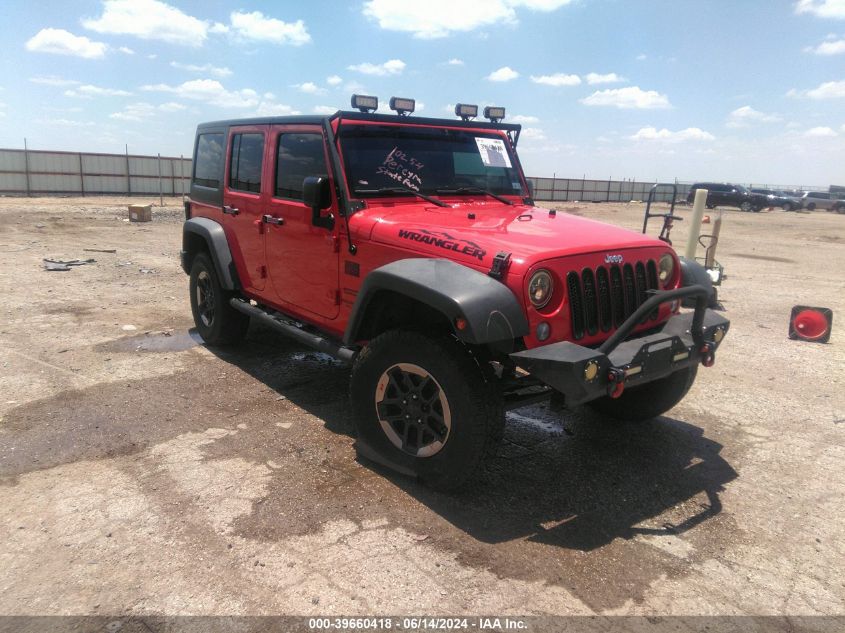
(501, 262)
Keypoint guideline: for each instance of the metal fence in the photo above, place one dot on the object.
(40, 173)
(586, 190)
(26, 172)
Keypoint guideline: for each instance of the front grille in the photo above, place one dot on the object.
(603, 298)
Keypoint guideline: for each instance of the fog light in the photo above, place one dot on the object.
(543, 331)
(718, 335)
(591, 370)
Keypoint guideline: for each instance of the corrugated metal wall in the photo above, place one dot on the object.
(35, 173)
(583, 190)
(79, 173)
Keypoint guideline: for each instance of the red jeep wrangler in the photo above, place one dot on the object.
(411, 248)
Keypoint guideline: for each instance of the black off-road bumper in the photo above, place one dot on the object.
(582, 374)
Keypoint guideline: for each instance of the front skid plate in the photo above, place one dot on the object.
(563, 366)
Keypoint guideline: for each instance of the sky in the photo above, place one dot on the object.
(746, 91)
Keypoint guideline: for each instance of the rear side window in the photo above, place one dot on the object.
(298, 156)
(245, 163)
(209, 160)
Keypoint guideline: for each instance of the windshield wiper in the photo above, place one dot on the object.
(461, 190)
(439, 203)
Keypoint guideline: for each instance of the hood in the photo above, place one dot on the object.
(530, 234)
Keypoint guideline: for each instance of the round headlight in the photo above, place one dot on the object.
(665, 268)
(540, 288)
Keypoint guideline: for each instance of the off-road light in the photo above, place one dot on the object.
(494, 113)
(665, 268)
(810, 324)
(365, 103)
(403, 107)
(540, 288)
(466, 111)
(591, 370)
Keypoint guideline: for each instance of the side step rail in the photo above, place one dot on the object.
(289, 328)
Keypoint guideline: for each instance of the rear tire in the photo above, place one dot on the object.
(839, 208)
(217, 322)
(425, 404)
(649, 400)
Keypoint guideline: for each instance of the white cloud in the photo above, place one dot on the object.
(310, 88)
(455, 62)
(172, 106)
(256, 26)
(134, 112)
(557, 79)
(688, 134)
(209, 91)
(271, 108)
(632, 97)
(520, 118)
(324, 109)
(64, 122)
(62, 42)
(52, 80)
(218, 27)
(827, 90)
(609, 78)
(217, 71)
(390, 67)
(820, 132)
(830, 47)
(742, 117)
(505, 73)
(126, 50)
(822, 8)
(642, 57)
(532, 134)
(149, 20)
(87, 91)
(439, 18)
(334, 80)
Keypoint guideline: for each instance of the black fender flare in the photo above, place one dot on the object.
(491, 311)
(692, 274)
(215, 238)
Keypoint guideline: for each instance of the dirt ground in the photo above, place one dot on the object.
(143, 473)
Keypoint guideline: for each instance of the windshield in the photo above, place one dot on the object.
(427, 160)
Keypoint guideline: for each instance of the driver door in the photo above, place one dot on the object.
(302, 259)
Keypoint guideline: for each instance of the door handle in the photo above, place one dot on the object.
(230, 210)
(269, 219)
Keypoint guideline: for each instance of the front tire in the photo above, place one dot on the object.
(746, 206)
(217, 322)
(811, 206)
(649, 400)
(425, 404)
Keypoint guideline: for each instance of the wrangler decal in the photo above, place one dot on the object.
(445, 241)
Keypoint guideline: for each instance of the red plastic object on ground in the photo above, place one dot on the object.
(811, 324)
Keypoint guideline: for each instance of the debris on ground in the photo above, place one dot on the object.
(147, 271)
(100, 250)
(65, 264)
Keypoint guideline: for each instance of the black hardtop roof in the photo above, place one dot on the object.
(360, 116)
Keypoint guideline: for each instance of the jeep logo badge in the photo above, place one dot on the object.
(613, 259)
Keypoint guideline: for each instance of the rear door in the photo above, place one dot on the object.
(243, 199)
(302, 259)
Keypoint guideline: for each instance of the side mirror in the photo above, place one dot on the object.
(317, 195)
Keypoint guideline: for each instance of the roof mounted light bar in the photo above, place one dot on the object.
(494, 113)
(403, 107)
(365, 103)
(466, 111)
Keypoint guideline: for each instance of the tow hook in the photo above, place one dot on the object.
(708, 355)
(616, 382)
